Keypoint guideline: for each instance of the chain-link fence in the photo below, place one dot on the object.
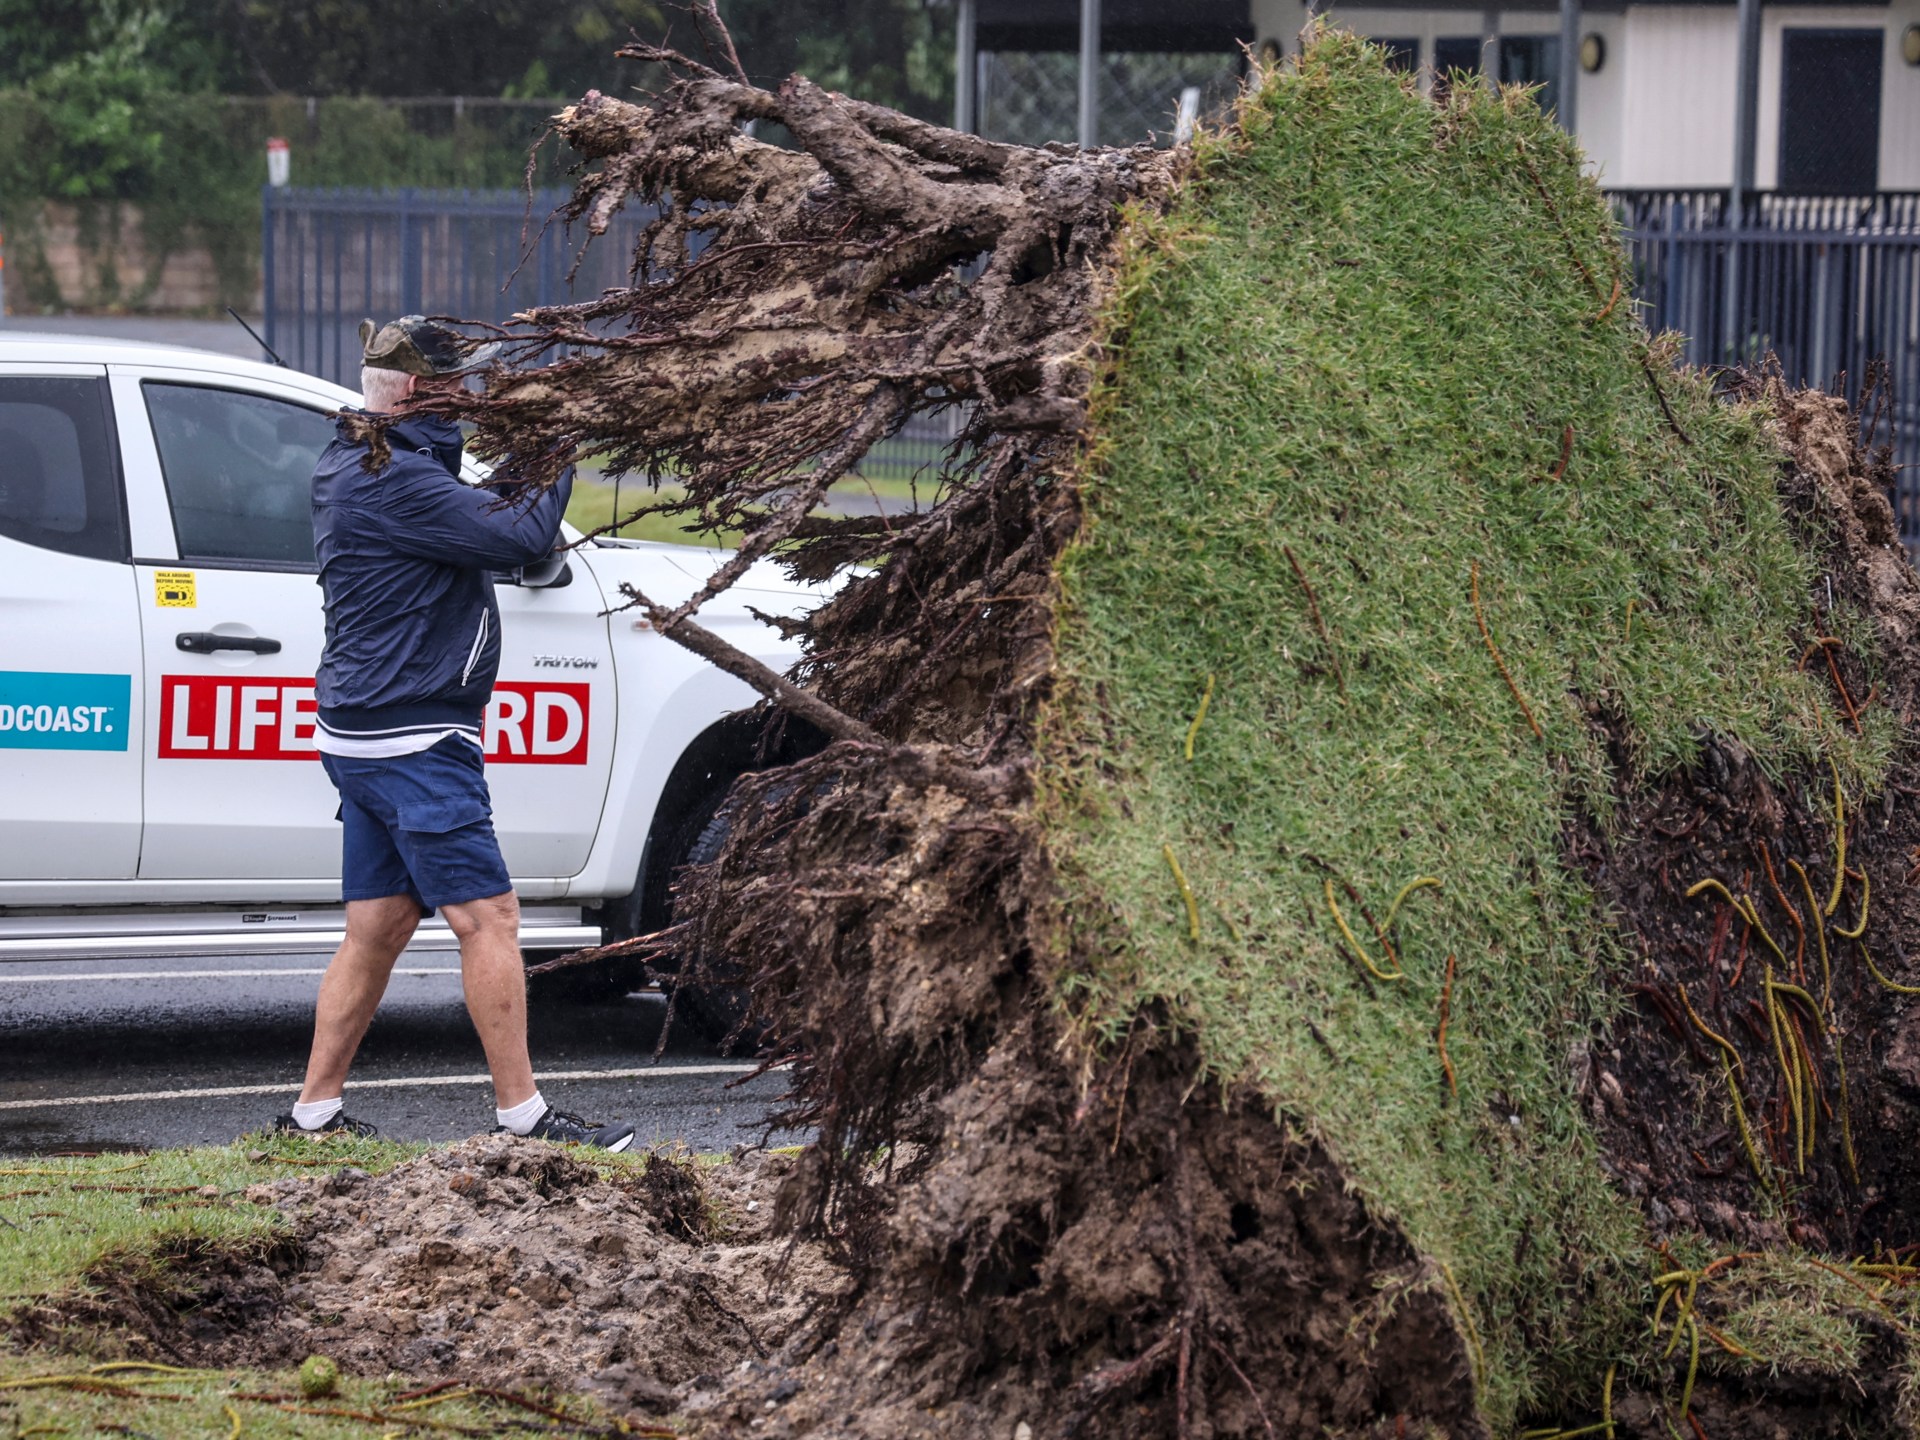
(1029, 97)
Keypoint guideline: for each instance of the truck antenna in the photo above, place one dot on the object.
(256, 336)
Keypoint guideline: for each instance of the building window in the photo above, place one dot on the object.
(1402, 55)
(1830, 111)
(1532, 60)
(1456, 52)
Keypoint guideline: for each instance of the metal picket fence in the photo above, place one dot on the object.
(1827, 284)
(332, 257)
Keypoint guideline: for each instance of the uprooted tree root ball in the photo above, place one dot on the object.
(1361, 880)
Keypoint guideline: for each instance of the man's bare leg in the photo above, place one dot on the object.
(356, 978)
(496, 985)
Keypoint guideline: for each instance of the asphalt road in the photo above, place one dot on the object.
(110, 1054)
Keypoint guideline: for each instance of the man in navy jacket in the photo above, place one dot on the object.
(406, 553)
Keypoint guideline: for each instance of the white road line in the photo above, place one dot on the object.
(197, 975)
(292, 1083)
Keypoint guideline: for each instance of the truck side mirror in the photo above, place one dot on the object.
(553, 573)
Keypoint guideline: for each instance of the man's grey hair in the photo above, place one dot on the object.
(382, 390)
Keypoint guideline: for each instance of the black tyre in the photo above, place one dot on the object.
(690, 828)
(716, 1006)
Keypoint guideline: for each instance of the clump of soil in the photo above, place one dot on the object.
(496, 1261)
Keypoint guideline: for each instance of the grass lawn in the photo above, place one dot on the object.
(60, 1216)
(593, 505)
(41, 1395)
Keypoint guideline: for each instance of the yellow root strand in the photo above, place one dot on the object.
(1685, 1314)
(234, 1416)
(1186, 893)
(1846, 1121)
(1820, 930)
(1730, 1062)
(1693, 1366)
(1631, 606)
(1206, 699)
(1866, 895)
(1761, 1173)
(1606, 1399)
(1751, 913)
(1712, 884)
(430, 1401)
(1807, 1115)
(114, 1367)
(1810, 1088)
(1670, 1287)
(1874, 970)
(1358, 950)
(1789, 1072)
(1787, 987)
(1839, 838)
(1708, 1030)
(1477, 1354)
(1418, 883)
(77, 1173)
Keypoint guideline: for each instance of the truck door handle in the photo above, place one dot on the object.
(205, 642)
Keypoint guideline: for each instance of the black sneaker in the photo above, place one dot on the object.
(340, 1124)
(564, 1129)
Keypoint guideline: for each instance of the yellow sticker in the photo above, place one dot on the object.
(174, 588)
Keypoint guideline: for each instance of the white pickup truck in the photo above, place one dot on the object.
(159, 629)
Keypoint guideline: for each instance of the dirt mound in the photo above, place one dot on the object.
(495, 1261)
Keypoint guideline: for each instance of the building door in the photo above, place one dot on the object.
(1830, 111)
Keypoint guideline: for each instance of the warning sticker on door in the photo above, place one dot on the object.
(174, 588)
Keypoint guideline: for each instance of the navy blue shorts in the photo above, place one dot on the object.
(418, 825)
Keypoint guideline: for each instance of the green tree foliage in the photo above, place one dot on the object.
(893, 52)
(532, 48)
(897, 52)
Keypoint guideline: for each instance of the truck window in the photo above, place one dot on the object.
(58, 488)
(239, 472)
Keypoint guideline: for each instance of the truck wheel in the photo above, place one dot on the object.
(689, 829)
(717, 1007)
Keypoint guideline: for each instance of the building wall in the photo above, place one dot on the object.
(1660, 110)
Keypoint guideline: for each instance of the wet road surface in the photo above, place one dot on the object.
(109, 1054)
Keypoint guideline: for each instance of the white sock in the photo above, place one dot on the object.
(523, 1117)
(311, 1115)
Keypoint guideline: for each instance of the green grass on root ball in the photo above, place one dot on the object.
(1360, 336)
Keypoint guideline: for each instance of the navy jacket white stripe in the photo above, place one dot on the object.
(406, 560)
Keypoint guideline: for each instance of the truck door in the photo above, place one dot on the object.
(232, 629)
(234, 787)
(70, 712)
(550, 728)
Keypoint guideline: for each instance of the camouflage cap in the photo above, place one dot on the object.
(416, 345)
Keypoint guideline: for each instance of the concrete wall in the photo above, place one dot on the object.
(1660, 110)
(65, 257)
